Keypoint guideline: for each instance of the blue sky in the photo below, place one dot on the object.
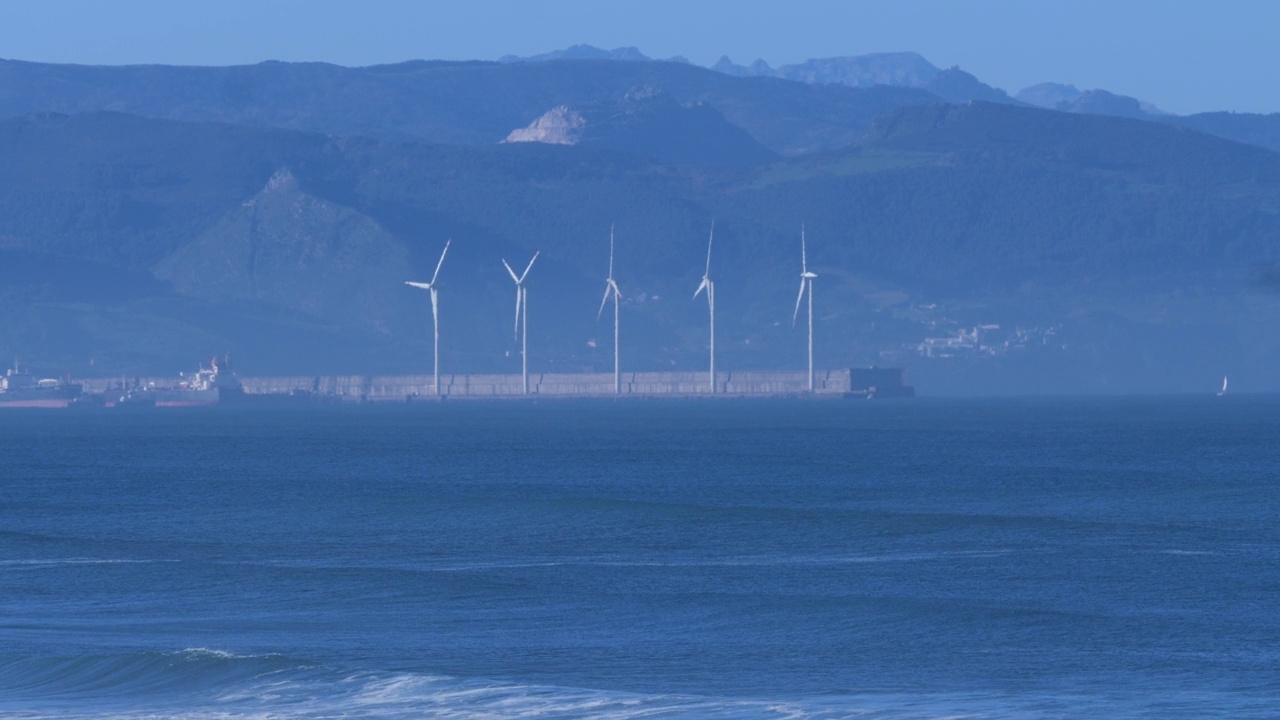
(1182, 56)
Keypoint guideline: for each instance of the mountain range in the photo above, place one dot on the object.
(153, 215)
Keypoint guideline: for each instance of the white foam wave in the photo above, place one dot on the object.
(302, 694)
(50, 562)
(199, 653)
(676, 562)
(367, 695)
(277, 688)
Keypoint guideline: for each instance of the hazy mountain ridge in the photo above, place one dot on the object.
(275, 210)
(582, 52)
(453, 103)
(909, 70)
(986, 213)
(1262, 130)
(1068, 98)
(483, 102)
(901, 69)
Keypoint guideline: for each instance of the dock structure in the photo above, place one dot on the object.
(745, 384)
(381, 388)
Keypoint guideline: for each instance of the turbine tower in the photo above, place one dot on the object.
(435, 316)
(522, 318)
(611, 291)
(710, 287)
(806, 283)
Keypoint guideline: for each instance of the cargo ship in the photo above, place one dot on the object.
(212, 385)
(20, 389)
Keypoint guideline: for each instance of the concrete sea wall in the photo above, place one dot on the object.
(374, 388)
(399, 388)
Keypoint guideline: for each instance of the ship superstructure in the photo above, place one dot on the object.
(210, 385)
(20, 389)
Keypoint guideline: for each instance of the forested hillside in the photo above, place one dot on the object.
(986, 247)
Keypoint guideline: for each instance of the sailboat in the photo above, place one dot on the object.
(1223, 391)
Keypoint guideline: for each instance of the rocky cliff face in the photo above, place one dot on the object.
(647, 120)
(558, 126)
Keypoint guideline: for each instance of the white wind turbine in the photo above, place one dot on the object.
(435, 315)
(611, 291)
(806, 283)
(522, 317)
(710, 287)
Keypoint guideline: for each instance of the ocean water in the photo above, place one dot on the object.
(1049, 558)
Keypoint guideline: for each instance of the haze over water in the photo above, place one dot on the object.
(1024, 558)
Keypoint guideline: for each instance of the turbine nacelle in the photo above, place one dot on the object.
(610, 291)
(444, 252)
(435, 275)
(806, 279)
(510, 271)
(519, 280)
(705, 285)
(610, 287)
(435, 314)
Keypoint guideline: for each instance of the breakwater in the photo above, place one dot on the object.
(379, 388)
(881, 382)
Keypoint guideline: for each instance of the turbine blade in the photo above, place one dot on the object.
(709, 241)
(529, 266)
(616, 292)
(804, 260)
(603, 301)
(610, 253)
(442, 254)
(424, 286)
(701, 287)
(511, 272)
(799, 297)
(516, 332)
(435, 303)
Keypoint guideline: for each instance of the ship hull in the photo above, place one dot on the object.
(185, 403)
(190, 397)
(49, 403)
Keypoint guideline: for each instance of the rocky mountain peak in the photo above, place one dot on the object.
(561, 125)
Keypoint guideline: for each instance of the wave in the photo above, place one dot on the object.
(199, 683)
(212, 684)
(142, 674)
(774, 560)
(54, 562)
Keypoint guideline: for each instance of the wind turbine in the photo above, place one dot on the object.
(435, 315)
(806, 282)
(710, 287)
(522, 317)
(611, 291)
